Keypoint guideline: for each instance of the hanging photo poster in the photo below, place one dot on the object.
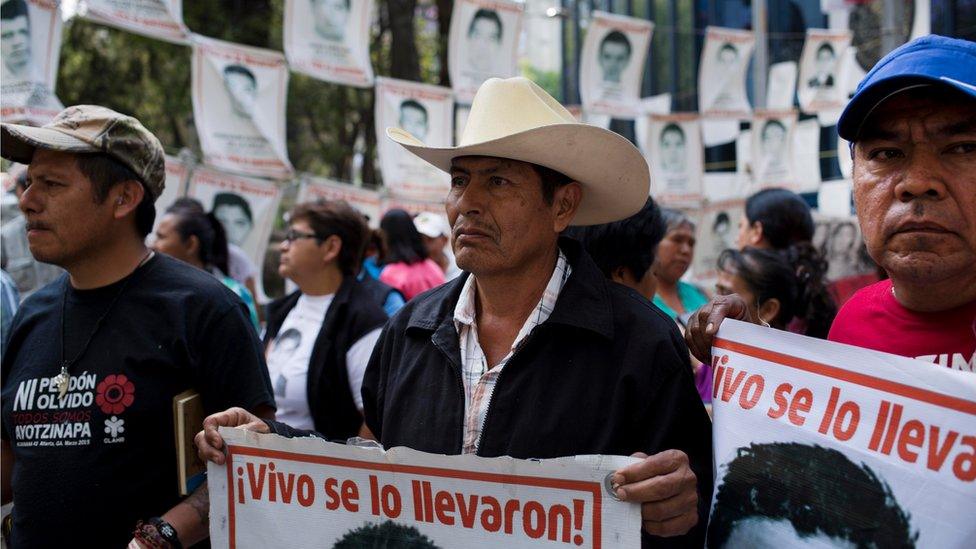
(160, 19)
(176, 179)
(715, 233)
(30, 48)
(329, 40)
(772, 148)
(425, 112)
(239, 95)
(676, 159)
(246, 208)
(612, 64)
(483, 43)
(820, 63)
(722, 73)
(367, 202)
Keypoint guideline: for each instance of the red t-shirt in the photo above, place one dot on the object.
(874, 319)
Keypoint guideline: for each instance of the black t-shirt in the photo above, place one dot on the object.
(88, 467)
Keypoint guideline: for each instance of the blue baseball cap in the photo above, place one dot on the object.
(929, 60)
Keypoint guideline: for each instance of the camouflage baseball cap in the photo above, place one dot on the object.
(91, 129)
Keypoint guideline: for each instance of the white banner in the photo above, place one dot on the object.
(176, 180)
(781, 86)
(819, 83)
(30, 48)
(772, 148)
(427, 113)
(829, 445)
(329, 40)
(414, 207)
(612, 64)
(367, 202)
(306, 492)
(483, 43)
(246, 208)
(161, 19)
(716, 232)
(676, 158)
(239, 95)
(722, 73)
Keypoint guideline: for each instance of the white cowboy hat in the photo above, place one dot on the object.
(516, 119)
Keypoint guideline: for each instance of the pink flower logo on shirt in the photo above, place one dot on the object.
(115, 393)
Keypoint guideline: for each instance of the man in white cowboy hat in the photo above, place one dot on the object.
(535, 354)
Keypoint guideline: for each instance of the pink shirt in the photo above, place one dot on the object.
(874, 319)
(413, 279)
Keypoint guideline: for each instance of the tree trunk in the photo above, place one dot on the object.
(404, 58)
(445, 8)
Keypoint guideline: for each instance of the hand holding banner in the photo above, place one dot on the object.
(307, 492)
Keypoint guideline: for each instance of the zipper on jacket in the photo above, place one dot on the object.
(491, 395)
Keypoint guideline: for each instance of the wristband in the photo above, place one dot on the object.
(156, 533)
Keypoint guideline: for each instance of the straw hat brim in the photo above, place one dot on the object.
(614, 175)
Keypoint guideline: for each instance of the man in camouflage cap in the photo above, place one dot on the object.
(95, 358)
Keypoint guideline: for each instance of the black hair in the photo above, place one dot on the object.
(336, 218)
(403, 242)
(722, 217)
(414, 104)
(106, 172)
(816, 489)
(11, 9)
(784, 215)
(212, 251)
(672, 127)
(630, 243)
(617, 37)
(21, 181)
(388, 535)
(826, 46)
(490, 15)
(242, 70)
(794, 277)
(186, 203)
(235, 200)
(551, 180)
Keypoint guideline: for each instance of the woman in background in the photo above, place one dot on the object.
(406, 265)
(674, 254)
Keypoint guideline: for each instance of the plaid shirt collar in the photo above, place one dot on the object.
(465, 310)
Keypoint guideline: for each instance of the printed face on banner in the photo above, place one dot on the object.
(483, 41)
(772, 150)
(239, 107)
(676, 159)
(30, 43)
(329, 39)
(820, 79)
(426, 112)
(814, 440)
(840, 243)
(722, 76)
(716, 232)
(613, 64)
(161, 19)
(245, 207)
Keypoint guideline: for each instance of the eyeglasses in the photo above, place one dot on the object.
(293, 235)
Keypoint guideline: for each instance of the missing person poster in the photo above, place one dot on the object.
(176, 180)
(612, 64)
(160, 19)
(871, 32)
(414, 207)
(306, 492)
(722, 73)
(830, 445)
(239, 97)
(482, 44)
(819, 86)
(676, 158)
(329, 40)
(246, 208)
(716, 232)
(427, 113)
(30, 48)
(772, 148)
(367, 202)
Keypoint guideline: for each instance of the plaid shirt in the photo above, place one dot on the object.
(479, 380)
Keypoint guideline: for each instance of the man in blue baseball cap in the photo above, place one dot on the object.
(912, 128)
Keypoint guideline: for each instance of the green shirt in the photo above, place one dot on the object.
(690, 296)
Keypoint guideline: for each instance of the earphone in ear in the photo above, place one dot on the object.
(120, 201)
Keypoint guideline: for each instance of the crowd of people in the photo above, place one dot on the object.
(552, 265)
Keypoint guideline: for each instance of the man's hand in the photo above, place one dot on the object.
(667, 489)
(210, 445)
(704, 323)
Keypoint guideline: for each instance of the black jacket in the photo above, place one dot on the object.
(607, 373)
(352, 314)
